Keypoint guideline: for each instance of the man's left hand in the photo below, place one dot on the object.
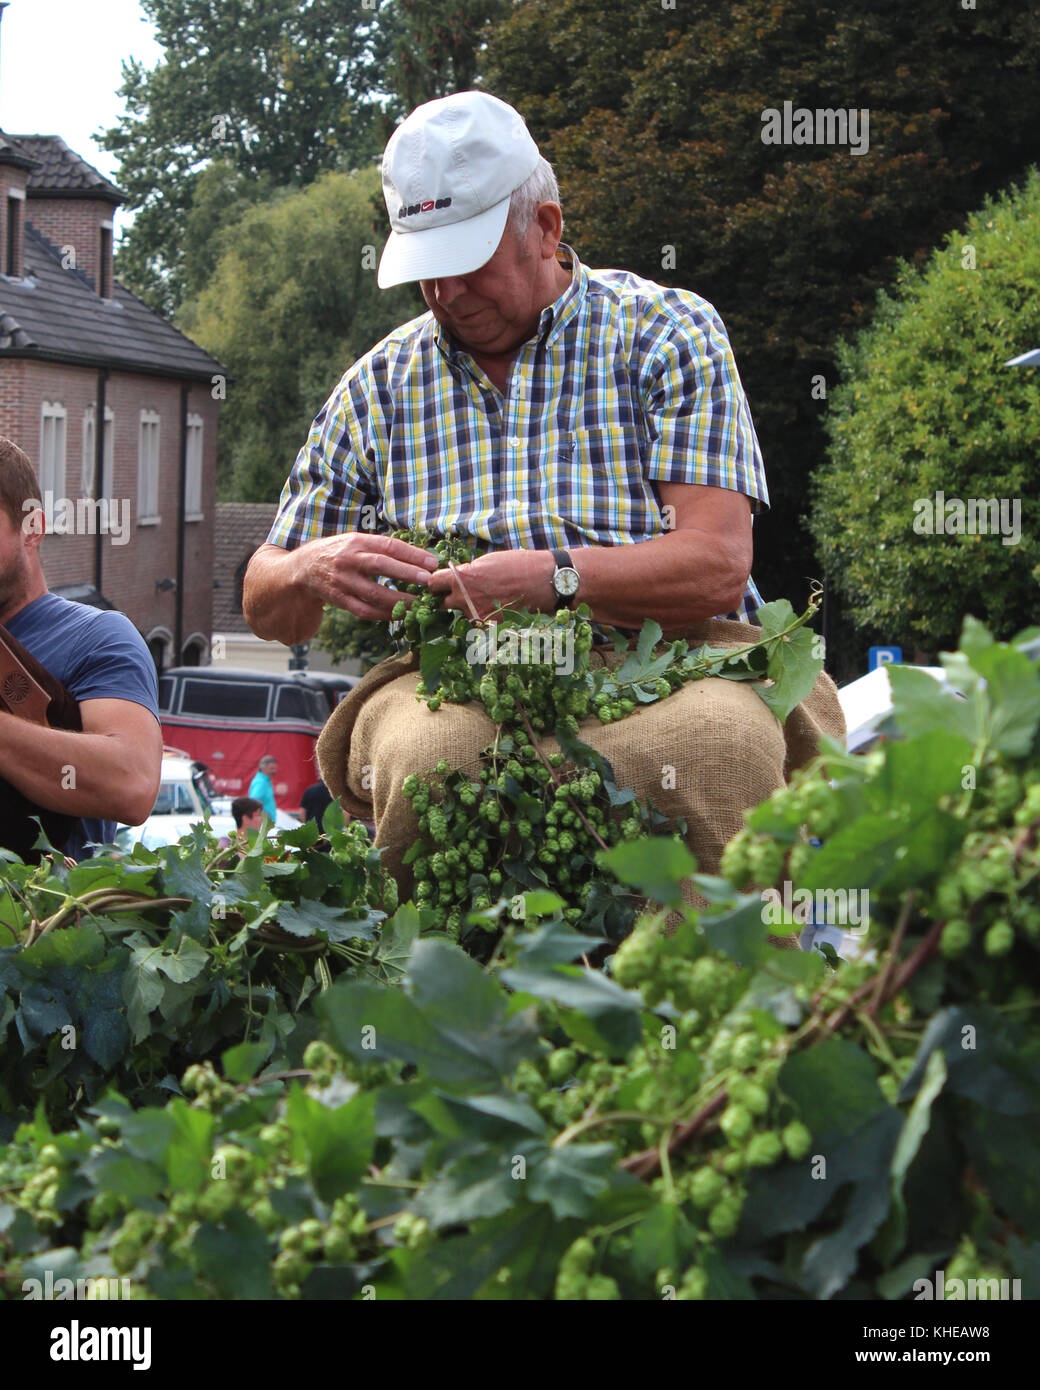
(501, 579)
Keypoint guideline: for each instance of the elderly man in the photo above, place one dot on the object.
(589, 426)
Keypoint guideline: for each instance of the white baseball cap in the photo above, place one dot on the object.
(448, 171)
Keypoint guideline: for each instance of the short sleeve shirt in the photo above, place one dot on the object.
(97, 655)
(625, 385)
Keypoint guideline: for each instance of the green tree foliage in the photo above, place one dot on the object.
(926, 406)
(653, 118)
(280, 91)
(291, 303)
(437, 46)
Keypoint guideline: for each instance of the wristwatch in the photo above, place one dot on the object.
(565, 580)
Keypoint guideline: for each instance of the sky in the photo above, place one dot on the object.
(61, 67)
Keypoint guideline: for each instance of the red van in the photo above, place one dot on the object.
(229, 718)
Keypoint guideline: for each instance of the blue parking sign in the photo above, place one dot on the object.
(884, 656)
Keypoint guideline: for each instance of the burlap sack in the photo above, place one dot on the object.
(707, 752)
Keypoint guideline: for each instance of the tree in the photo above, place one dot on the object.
(654, 119)
(437, 46)
(291, 303)
(278, 91)
(927, 407)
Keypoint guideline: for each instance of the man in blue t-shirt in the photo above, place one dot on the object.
(110, 771)
(262, 785)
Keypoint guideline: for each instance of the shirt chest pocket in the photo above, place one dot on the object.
(597, 481)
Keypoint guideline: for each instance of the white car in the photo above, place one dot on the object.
(867, 703)
(185, 798)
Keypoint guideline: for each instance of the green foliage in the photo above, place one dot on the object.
(121, 972)
(927, 406)
(291, 303)
(705, 1118)
(653, 119)
(542, 803)
(437, 46)
(277, 91)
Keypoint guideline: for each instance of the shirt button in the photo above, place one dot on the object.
(514, 443)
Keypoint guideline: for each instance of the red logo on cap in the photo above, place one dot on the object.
(427, 206)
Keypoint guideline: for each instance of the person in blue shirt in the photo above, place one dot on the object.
(262, 787)
(110, 771)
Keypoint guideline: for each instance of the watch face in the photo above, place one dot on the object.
(565, 581)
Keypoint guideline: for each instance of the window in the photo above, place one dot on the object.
(231, 699)
(292, 703)
(193, 476)
(174, 799)
(104, 269)
(14, 224)
(148, 468)
(52, 450)
(194, 651)
(87, 472)
(166, 683)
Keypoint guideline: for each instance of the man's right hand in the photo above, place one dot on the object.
(284, 591)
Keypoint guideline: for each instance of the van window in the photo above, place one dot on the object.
(299, 702)
(166, 685)
(174, 799)
(292, 703)
(232, 699)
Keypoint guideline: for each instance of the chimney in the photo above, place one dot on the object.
(3, 6)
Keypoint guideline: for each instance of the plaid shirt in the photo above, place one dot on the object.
(626, 384)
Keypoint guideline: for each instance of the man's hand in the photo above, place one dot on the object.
(501, 579)
(285, 590)
(342, 570)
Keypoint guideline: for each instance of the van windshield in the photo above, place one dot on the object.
(231, 699)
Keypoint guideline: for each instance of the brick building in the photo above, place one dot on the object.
(240, 528)
(130, 509)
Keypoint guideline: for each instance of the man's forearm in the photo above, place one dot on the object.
(677, 579)
(274, 602)
(78, 774)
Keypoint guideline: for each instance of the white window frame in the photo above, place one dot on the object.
(87, 467)
(107, 227)
(53, 445)
(193, 469)
(18, 194)
(148, 429)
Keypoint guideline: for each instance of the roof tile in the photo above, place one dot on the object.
(55, 313)
(60, 170)
(240, 528)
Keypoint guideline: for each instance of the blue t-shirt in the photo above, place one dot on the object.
(97, 655)
(262, 790)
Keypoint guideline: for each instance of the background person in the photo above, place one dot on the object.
(315, 800)
(261, 788)
(110, 771)
(248, 815)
